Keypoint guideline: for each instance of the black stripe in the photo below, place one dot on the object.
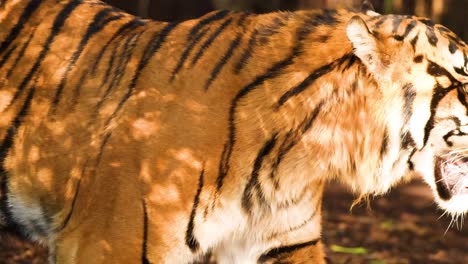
(83, 171)
(414, 41)
(436, 70)
(461, 95)
(22, 21)
(129, 26)
(409, 95)
(438, 94)
(114, 55)
(101, 19)
(418, 59)
(408, 29)
(259, 36)
(78, 182)
(280, 252)
(265, 32)
(311, 79)
(292, 138)
(73, 203)
(409, 162)
(8, 55)
(450, 134)
(396, 22)
(274, 71)
(222, 62)
(351, 60)
(104, 142)
(243, 17)
(288, 204)
(326, 17)
(460, 71)
(144, 250)
(407, 140)
(431, 36)
(120, 68)
(443, 29)
(453, 47)
(190, 239)
(247, 54)
(194, 41)
(427, 22)
(210, 40)
(384, 146)
(206, 21)
(56, 27)
(441, 187)
(153, 46)
(456, 39)
(21, 53)
(381, 20)
(456, 132)
(77, 91)
(302, 33)
(254, 183)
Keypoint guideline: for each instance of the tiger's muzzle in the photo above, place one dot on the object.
(451, 175)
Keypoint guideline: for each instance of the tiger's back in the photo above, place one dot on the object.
(131, 140)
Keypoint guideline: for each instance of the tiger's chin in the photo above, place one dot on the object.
(451, 183)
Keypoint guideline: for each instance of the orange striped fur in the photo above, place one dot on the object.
(126, 140)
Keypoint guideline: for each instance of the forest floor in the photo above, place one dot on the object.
(398, 228)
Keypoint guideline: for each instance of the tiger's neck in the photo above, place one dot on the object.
(339, 132)
(342, 125)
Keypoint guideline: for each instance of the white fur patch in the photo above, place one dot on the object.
(31, 216)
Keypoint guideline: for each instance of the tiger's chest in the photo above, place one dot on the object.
(234, 238)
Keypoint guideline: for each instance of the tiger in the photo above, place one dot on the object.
(128, 140)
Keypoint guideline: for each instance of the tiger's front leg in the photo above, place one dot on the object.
(307, 252)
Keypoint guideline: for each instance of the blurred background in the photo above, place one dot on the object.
(402, 227)
(450, 13)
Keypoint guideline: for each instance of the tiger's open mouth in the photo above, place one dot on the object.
(451, 175)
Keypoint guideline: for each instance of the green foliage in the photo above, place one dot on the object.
(348, 250)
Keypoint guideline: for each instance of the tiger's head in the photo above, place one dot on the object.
(426, 65)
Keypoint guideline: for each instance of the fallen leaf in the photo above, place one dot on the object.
(348, 250)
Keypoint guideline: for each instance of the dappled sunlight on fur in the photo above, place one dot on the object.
(129, 140)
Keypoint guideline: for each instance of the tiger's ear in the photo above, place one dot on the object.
(368, 9)
(364, 44)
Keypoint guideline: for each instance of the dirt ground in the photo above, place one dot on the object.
(401, 227)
